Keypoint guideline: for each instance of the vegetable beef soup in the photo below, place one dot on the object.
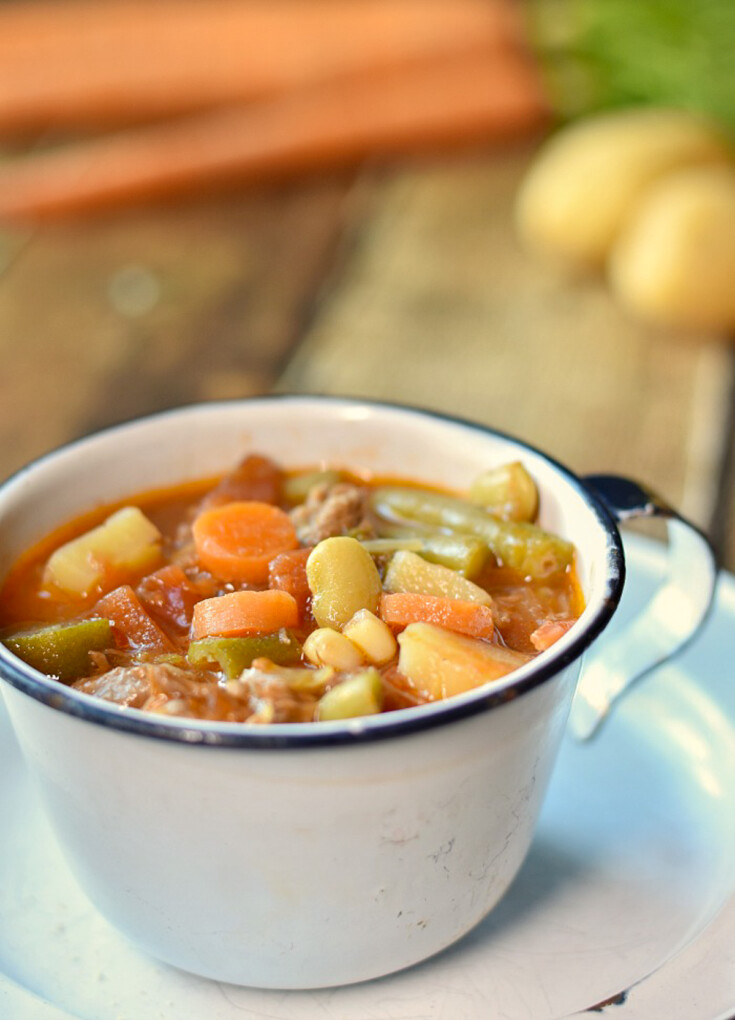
(270, 596)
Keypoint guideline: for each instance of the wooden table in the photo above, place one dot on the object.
(403, 282)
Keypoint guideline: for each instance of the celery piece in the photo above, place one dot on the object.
(301, 679)
(359, 694)
(62, 650)
(408, 572)
(235, 654)
(296, 488)
(127, 543)
(524, 547)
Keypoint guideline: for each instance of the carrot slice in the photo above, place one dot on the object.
(237, 541)
(131, 624)
(458, 615)
(244, 612)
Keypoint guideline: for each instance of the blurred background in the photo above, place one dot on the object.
(455, 205)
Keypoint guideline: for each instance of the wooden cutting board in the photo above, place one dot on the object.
(402, 283)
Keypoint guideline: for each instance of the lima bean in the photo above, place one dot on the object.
(342, 579)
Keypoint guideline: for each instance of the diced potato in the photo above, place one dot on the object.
(327, 647)
(361, 694)
(440, 663)
(342, 579)
(373, 637)
(125, 545)
(408, 572)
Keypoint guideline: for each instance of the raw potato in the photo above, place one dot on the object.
(675, 262)
(587, 180)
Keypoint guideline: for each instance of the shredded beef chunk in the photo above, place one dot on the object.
(125, 685)
(273, 701)
(332, 510)
(159, 687)
(255, 478)
(169, 690)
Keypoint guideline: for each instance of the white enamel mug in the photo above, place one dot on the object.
(305, 855)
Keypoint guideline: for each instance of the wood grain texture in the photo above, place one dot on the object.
(114, 318)
(439, 306)
(409, 285)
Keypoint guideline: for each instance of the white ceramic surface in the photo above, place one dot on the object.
(300, 865)
(630, 881)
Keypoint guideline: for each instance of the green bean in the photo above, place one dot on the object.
(507, 491)
(520, 545)
(235, 654)
(462, 553)
(386, 546)
(62, 650)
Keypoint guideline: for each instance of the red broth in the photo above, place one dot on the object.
(234, 611)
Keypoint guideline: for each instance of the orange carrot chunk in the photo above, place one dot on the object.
(237, 541)
(549, 632)
(459, 615)
(244, 612)
(132, 626)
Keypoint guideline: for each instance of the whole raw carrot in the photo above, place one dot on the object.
(240, 613)
(85, 63)
(480, 96)
(459, 615)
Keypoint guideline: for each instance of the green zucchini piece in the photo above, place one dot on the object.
(234, 654)
(62, 650)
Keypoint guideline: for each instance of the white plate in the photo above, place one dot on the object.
(628, 892)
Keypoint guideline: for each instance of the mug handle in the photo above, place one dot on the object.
(672, 618)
